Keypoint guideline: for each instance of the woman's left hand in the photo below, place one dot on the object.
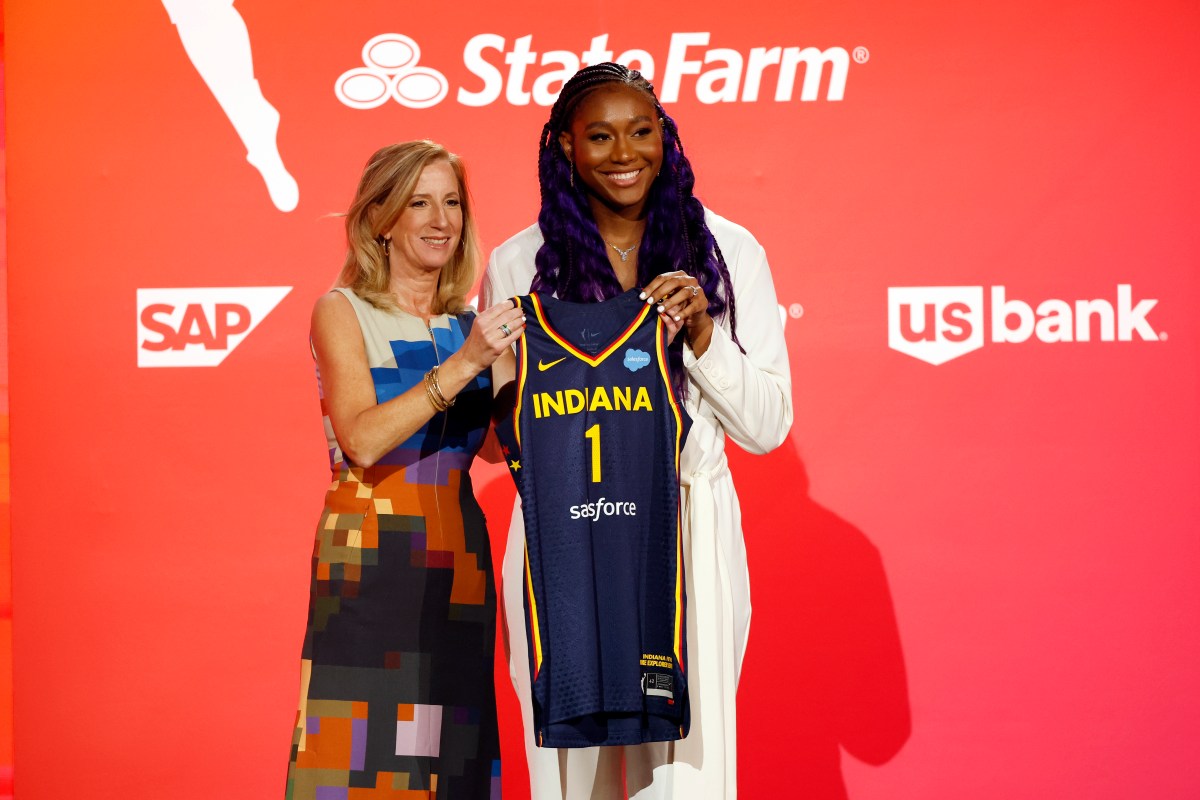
(681, 302)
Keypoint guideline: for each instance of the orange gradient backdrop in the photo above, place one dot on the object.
(971, 580)
(6, 748)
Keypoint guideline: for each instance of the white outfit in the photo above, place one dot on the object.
(749, 396)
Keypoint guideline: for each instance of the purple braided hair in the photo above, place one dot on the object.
(573, 262)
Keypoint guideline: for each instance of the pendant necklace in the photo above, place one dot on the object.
(624, 253)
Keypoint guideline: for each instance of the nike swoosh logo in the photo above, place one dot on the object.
(543, 366)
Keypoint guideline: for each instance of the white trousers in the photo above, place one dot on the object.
(702, 766)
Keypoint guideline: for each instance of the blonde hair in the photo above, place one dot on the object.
(386, 186)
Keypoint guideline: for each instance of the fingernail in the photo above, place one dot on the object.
(649, 300)
(660, 309)
(677, 318)
(642, 296)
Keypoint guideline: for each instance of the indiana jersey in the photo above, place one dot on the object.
(594, 449)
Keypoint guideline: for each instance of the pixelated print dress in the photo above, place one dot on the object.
(397, 699)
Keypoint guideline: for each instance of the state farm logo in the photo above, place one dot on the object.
(938, 323)
(390, 71)
(199, 327)
(520, 75)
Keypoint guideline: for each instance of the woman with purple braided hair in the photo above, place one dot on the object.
(618, 212)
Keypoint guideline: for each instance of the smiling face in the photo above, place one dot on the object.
(428, 230)
(615, 141)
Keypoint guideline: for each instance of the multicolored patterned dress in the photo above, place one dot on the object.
(397, 699)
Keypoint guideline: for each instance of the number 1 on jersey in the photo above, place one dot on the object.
(593, 433)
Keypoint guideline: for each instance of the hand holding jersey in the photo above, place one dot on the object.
(682, 303)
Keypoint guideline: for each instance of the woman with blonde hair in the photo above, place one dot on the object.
(396, 680)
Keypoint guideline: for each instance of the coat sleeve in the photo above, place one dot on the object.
(510, 268)
(493, 289)
(751, 392)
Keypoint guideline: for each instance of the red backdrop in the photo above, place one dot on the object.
(999, 548)
(6, 749)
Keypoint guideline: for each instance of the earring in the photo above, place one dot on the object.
(570, 166)
(386, 244)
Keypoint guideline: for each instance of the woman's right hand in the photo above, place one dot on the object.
(488, 340)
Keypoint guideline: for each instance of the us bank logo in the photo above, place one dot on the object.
(199, 327)
(935, 324)
(518, 74)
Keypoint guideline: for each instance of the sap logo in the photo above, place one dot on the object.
(199, 327)
(518, 74)
(938, 323)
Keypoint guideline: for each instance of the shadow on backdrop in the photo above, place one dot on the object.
(824, 668)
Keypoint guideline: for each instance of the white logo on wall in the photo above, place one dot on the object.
(521, 75)
(390, 71)
(938, 323)
(199, 327)
(216, 41)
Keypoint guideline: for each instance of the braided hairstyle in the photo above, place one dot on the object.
(573, 262)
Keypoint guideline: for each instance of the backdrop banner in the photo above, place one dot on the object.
(973, 562)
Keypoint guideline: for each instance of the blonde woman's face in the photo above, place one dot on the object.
(426, 235)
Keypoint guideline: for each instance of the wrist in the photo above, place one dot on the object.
(700, 335)
(462, 363)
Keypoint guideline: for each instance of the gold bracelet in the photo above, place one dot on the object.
(434, 391)
(434, 401)
(437, 387)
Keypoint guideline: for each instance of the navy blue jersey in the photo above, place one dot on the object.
(594, 449)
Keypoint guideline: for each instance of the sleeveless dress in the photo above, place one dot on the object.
(397, 699)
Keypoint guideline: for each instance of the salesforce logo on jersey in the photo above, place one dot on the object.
(636, 359)
(520, 74)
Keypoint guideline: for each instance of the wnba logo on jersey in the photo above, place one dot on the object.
(199, 327)
(939, 323)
